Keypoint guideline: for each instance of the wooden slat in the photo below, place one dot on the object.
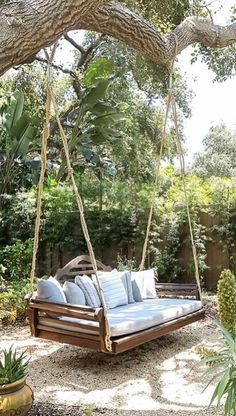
(63, 304)
(93, 344)
(67, 311)
(126, 343)
(88, 272)
(33, 320)
(44, 320)
(176, 286)
(68, 332)
(175, 289)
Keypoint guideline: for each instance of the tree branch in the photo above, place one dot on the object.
(30, 25)
(118, 21)
(73, 43)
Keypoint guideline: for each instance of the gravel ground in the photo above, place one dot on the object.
(160, 378)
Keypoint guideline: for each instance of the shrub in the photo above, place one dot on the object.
(15, 260)
(226, 296)
(12, 303)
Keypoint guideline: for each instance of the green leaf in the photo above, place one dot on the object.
(96, 93)
(26, 139)
(15, 110)
(108, 119)
(226, 334)
(102, 109)
(100, 67)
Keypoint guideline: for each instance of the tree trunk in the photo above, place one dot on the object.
(28, 26)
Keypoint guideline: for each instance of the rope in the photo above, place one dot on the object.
(158, 164)
(70, 171)
(172, 104)
(157, 174)
(45, 135)
(43, 158)
(183, 174)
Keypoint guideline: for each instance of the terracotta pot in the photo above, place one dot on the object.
(16, 399)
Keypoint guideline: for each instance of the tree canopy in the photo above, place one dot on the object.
(219, 155)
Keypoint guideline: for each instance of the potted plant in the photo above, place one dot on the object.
(16, 397)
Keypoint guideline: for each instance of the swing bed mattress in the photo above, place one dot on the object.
(134, 317)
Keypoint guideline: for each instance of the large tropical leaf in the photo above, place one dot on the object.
(96, 93)
(108, 119)
(100, 67)
(14, 110)
(102, 108)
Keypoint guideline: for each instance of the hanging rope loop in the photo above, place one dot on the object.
(51, 101)
(171, 106)
(159, 158)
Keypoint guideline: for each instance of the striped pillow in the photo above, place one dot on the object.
(90, 292)
(113, 289)
(126, 280)
(125, 277)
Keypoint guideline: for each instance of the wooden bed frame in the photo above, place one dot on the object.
(42, 326)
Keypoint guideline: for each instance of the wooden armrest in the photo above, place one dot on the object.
(66, 309)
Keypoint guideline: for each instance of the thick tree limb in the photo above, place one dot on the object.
(29, 25)
(117, 21)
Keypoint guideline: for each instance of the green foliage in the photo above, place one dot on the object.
(96, 124)
(15, 260)
(219, 155)
(12, 367)
(165, 15)
(226, 295)
(12, 300)
(100, 67)
(126, 264)
(166, 256)
(220, 61)
(223, 368)
(17, 132)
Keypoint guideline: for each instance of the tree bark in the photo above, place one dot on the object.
(118, 21)
(29, 25)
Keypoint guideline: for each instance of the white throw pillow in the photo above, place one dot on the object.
(143, 284)
(113, 289)
(74, 294)
(50, 290)
(89, 290)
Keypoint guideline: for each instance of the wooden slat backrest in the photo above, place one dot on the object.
(79, 266)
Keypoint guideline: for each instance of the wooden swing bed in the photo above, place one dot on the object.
(85, 333)
(89, 327)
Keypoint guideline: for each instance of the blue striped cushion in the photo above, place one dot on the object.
(90, 292)
(113, 289)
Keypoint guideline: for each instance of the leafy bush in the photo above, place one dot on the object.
(226, 295)
(15, 260)
(12, 368)
(12, 303)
